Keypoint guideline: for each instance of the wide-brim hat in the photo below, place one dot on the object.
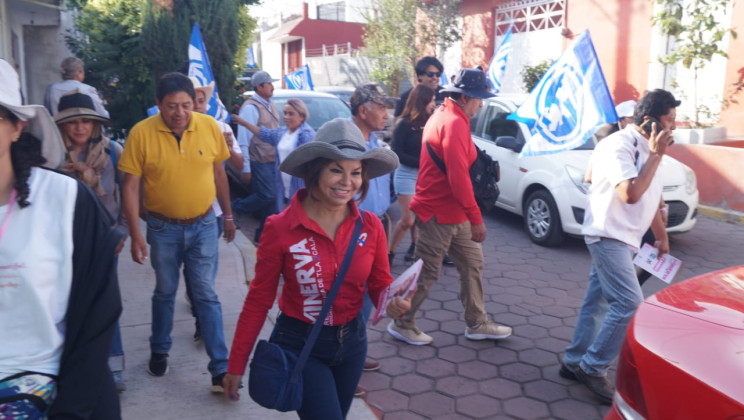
(207, 89)
(471, 82)
(38, 121)
(340, 139)
(75, 104)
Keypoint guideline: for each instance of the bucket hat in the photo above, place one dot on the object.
(471, 82)
(75, 104)
(340, 139)
(38, 121)
(625, 109)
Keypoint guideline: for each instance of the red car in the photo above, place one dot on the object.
(683, 355)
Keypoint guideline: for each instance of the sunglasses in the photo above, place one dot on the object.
(432, 73)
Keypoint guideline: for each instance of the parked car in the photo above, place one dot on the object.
(549, 190)
(343, 92)
(322, 107)
(682, 354)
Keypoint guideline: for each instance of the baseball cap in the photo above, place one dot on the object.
(260, 77)
(369, 92)
(625, 109)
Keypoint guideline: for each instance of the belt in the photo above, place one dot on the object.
(188, 221)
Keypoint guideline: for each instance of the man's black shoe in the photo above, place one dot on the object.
(599, 385)
(447, 260)
(409, 254)
(217, 383)
(567, 373)
(158, 365)
(197, 332)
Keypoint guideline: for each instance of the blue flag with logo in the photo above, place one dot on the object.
(568, 104)
(443, 80)
(300, 79)
(497, 67)
(250, 59)
(199, 67)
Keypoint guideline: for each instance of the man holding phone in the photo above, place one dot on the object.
(624, 200)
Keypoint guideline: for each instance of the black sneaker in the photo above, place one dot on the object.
(197, 332)
(158, 365)
(409, 255)
(599, 385)
(566, 373)
(447, 260)
(217, 383)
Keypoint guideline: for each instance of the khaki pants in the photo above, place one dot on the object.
(434, 241)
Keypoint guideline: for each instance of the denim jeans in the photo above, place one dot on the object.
(194, 246)
(186, 280)
(263, 199)
(333, 369)
(611, 299)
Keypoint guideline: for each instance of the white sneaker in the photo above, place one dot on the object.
(487, 331)
(412, 336)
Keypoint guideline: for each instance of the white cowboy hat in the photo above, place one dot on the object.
(38, 121)
(340, 139)
(208, 89)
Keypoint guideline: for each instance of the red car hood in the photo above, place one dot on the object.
(716, 297)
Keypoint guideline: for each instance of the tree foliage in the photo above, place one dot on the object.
(531, 75)
(697, 34)
(394, 38)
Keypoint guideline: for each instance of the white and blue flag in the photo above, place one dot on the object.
(300, 79)
(250, 58)
(443, 80)
(199, 67)
(568, 104)
(497, 67)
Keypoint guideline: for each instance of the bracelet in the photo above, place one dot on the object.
(230, 220)
(227, 216)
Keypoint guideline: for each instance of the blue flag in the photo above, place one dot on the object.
(443, 80)
(497, 67)
(250, 59)
(300, 79)
(568, 104)
(199, 67)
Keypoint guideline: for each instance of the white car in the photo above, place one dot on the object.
(548, 190)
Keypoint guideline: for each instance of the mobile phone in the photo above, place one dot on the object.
(647, 126)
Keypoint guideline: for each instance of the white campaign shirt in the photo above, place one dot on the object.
(236, 148)
(285, 146)
(36, 275)
(617, 158)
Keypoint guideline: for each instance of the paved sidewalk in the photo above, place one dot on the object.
(184, 393)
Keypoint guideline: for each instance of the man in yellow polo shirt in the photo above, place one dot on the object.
(177, 155)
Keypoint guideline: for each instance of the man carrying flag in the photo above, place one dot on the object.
(497, 67)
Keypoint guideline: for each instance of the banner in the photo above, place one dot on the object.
(568, 104)
(300, 79)
(199, 67)
(497, 67)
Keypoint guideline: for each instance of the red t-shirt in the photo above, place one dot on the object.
(297, 248)
(448, 197)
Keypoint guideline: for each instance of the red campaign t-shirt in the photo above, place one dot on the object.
(448, 197)
(297, 248)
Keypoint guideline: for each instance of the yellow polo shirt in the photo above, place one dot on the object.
(178, 177)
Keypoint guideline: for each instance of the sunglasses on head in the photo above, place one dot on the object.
(432, 73)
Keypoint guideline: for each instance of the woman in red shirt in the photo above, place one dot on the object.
(307, 244)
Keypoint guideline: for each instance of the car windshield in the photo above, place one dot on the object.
(321, 109)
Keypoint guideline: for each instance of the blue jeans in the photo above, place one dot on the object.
(186, 280)
(263, 199)
(194, 246)
(611, 299)
(333, 369)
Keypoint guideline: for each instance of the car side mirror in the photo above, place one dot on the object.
(509, 142)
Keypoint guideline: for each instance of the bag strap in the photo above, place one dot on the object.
(329, 301)
(435, 158)
(112, 151)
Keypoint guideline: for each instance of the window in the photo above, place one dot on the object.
(332, 11)
(530, 15)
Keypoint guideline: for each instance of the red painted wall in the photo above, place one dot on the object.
(329, 32)
(731, 117)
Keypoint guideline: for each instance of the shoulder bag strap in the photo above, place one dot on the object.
(435, 158)
(296, 373)
(112, 151)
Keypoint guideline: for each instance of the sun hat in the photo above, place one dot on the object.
(260, 77)
(369, 92)
(340, 139)
(625, 109)
(38, 121)
(471, 82)
(208, 89)
(75, 104)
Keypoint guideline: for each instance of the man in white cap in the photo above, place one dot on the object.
(259, 168)
(624, 112)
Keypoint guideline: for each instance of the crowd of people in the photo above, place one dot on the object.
(310, 189)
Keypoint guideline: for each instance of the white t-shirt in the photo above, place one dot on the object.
(36, 275)
(235, 148)
(285, 146)
(617, 158)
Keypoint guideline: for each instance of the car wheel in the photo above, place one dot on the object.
(541, 219)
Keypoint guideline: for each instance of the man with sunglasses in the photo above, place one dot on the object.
(428, 71)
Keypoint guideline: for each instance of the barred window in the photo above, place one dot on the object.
(332, 11)
(529, 15)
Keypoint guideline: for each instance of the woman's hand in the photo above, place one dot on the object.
(230, 385)
(399, 306)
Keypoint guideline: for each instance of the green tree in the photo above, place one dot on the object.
(697, 36)
(532, 74)
(442, 27)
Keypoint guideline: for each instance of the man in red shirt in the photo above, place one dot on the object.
(447, 215)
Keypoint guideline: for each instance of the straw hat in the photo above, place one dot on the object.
(38, 121)
(340, 139)
(208, 89)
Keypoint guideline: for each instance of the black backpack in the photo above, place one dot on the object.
(484, 175)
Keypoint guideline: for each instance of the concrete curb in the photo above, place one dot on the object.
(724, 215)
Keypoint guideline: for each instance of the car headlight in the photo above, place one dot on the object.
(690, 181)
(577, 177)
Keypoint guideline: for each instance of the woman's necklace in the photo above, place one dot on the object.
(8, 212)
